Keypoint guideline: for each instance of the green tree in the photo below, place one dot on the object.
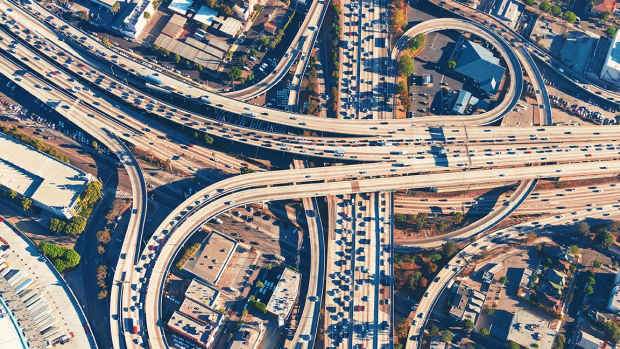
(468, 324)
(606, 240)
(545, 6)
(596, 264)
(556, 10)
(245, 169)
(260, 284)
(589, 290)
(447, 336)
(449, 248)
(559, 342)
(485, 331)
(530, 2)
(513, 345)
(611, 31)
(147, 15)
(451, 64)
(503, 280)
(434, 331)
(177, 58)
(115, 8)
(103, 236)
(235, 73)
(208, 139)
(417, 41)
(574, 250)
(570, 17)
(405, 65)
(12, 194)
(265, 40)
(26, 204)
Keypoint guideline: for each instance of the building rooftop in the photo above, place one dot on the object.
(611, 67)
(192, 329)
(285, 294)
(479, 64)
(604, 6)
(200, 312)
(180, 6)
(201, 292)
(526, 328)
(42, 178)
(508, 11)
(174, 27)
(211, 258)
(588, 341)
(230, 26)
(247, 336)
(205, 15)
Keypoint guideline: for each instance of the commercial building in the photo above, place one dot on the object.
(603, 6)
(463, 101)
(248, 336)
(229, 27)
(528, 329)
(477, 63)
(180, 6)
(201, 292)
(190, 333)
(174, 27)
(587, 341)
(136, 21)
(211, 258)
(284, 295)
(611, 68)
(50, 183)
(508, 11)
(201, 312)
(466, 303)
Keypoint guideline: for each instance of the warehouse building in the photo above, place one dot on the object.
(51, 184)
(611, 68)
(477, 63)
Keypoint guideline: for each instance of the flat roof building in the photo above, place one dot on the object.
(587, 341)
(180, 6)
(201, 292)
(527, 328)
(174, 27)
(284, 295)
(508, 11)
(191, 333)
(480, 65)
(248, 336)
(136, 21)
(211, 258)
(50, 183)
(200, 312)
(611, 68)
(229, 27)
(205, 15)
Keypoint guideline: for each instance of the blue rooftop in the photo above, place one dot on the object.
(479, 64)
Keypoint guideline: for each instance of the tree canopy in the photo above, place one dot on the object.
(405, 65)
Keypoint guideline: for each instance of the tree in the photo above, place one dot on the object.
(434, 331)
(102, 294)
(451, 64)
(417, 42)
(265, 40)
(449, 248)
(405, 65)
(208, 139)
(402, 329)
(570, 17)
(606, 240)
(574, 250)
(545, 6)
(556, 10)
(583, 228)
(559, 342)
(513, 345)
(503, 280)
(103, 236)
(611, 31)
(458, 218)
(146, 15)
(76, 226)
(26, 204)
(485, 331)
(155, 4)
(589, 290)
(235, 73)
(12, 194)
(115, 8)
(245, 169)
(530, 2)
(100, 249)
(468, 324)
(260, 284)
(596, 264)
(446, 336)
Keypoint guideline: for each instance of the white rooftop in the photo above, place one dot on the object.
(205, 15)
(527, 328)
(611, 67)
(180, 6)
(284, 295)
(39, 176)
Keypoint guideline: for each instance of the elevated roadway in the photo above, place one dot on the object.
(177, 228)
(490, 242)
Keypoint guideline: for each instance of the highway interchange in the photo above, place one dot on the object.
(402, 154)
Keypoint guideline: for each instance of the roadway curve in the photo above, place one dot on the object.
(514, 68)
(240, 190)
(489, 242)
